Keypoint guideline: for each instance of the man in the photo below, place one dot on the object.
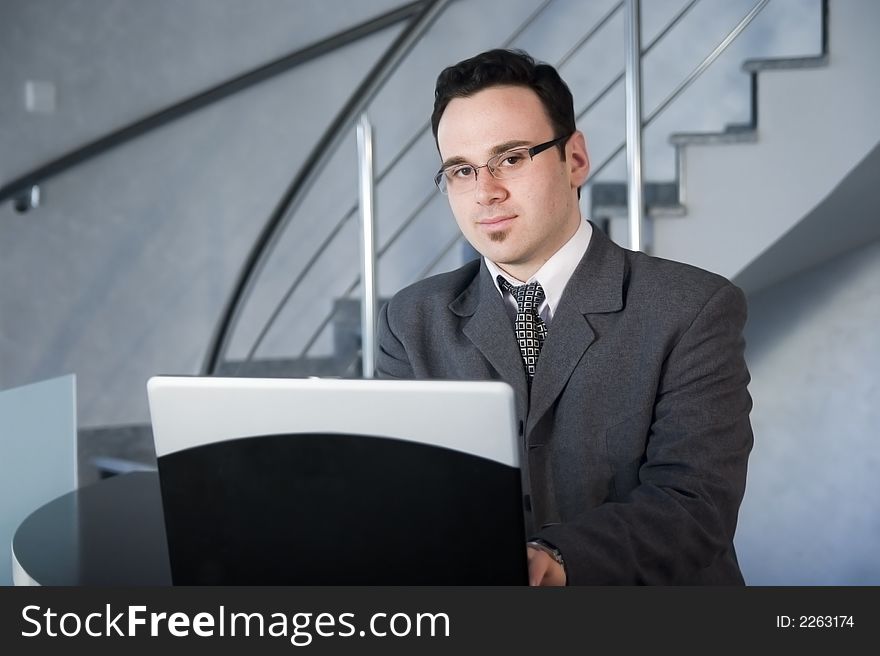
(630, 380)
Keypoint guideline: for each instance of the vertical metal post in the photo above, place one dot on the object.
(633, 56)
(368, 246)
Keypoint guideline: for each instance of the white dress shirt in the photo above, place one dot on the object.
(553, 276)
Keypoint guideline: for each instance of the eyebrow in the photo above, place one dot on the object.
(495, 150)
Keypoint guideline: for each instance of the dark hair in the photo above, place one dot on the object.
(507, 67)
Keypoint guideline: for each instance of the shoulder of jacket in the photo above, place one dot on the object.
(435, 291)
(673, 282)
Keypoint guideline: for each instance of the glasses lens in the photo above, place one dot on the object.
(456, 179)
(509, 164)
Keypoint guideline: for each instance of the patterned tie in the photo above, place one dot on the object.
(531, 331)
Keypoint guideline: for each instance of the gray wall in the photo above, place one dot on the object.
(123, 271)
(112, 61)
(811, 514)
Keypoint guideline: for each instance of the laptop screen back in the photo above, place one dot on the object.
(339, 482)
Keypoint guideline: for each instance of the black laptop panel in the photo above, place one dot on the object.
(401, 502)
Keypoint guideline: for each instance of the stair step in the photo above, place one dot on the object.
(735, 128)
(109, 466)
(110, 450)
(610, 199)
(345, 365)
(784, 63)
(732, 134)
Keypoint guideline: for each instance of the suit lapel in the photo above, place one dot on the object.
(595, 287)
(487, 324)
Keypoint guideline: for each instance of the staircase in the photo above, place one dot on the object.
(758, 202)
(415, 234)
(767, 200)
(755, 202)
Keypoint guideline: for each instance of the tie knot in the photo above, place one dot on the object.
(528, 297)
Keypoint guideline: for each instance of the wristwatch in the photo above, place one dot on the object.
(547, 548)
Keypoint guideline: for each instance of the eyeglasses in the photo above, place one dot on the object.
(510, 164)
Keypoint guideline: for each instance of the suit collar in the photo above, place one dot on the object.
(555, 273)
(595, 287)
(481, 287)
(490, 330)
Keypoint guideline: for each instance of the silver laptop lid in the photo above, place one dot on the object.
(474, 417)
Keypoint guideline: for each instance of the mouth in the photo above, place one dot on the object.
(496, 222)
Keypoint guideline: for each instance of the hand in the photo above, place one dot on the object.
(543, 570)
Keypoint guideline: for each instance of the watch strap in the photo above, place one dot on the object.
(546, 547)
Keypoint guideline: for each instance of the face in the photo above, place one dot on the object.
(518, 224)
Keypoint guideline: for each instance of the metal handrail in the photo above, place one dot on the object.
(620, 76)
(207, 97)
(589, 35)
(710, 58)
(368, 239)
(690, 79)
(308, 173)
(633, 57)
(602, 21)
(327, 319)
(334, 232)
(675, 20)
(524, 25)
(660, 35)
(439, 257)
(430, 196)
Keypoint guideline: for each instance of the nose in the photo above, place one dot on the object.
(487, 188)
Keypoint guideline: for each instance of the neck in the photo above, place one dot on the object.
(522, 271)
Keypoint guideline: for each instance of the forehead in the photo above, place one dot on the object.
(472, 126)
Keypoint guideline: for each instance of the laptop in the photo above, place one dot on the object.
(339, 482)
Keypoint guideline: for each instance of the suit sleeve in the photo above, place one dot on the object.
(391, 357)
(681, 517)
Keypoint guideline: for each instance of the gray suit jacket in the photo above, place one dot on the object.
(636, 433)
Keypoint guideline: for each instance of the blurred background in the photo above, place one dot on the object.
(179, 179)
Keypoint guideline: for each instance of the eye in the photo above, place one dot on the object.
(463, 171)
(512, 160)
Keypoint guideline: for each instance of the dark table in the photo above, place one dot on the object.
(111, 533)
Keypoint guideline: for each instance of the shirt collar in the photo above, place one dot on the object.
(556, 272)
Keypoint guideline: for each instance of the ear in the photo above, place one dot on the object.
(577, 158)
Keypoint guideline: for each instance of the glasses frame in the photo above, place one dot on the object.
(532, 151)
